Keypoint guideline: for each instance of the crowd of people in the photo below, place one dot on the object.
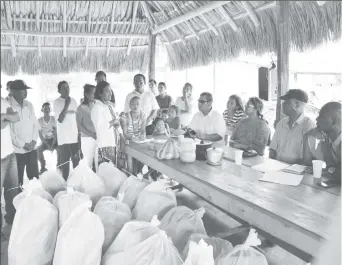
(96, 131)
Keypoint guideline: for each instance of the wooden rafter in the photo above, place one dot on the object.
(38, 27)
(236, 17)
(88, 28)
(10, 25)
(64, 26)
(207, 22)
(71, 48)
(250, 10)
(112, 20)
(177, 31)
(75, 35)
(134, 14)
(191, 28)
(229, 19)
(189, 15)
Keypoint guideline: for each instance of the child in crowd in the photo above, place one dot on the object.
(233, 114)
(47, 134)
(173, 118)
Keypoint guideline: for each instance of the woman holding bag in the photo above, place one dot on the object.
(105, 122)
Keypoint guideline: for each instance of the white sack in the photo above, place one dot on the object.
(67, 201)
(180, 223)
(155, 250)
(35, 187)
(83, 179)
(131, 190)
(112, 177)
(132, 234)
(245, 254)
(200, 254)
(113, 214)
(52, 182)
(34, 232)
(155, 200)
(220, 247)
(80, 240)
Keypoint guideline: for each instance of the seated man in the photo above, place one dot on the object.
(328, 133)
(287, 141)
(207, 123)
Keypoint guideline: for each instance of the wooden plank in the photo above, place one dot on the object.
(112, 21)
(64, 27)
(283, 51)
(250, 10)
(189, 15)
(152, 62)
(74, 48)
(76, 35)
(229, 19)
(38, 27)
(179, 11)
(134, 14)
(11, 25)
(296, 216)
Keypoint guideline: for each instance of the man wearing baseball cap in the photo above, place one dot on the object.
(287, 141)
(24, 132)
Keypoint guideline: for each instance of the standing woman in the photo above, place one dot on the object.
(104, 119)
(233, 114)
(185, 105)
(86, 126)
(253, 132)
(163, 99)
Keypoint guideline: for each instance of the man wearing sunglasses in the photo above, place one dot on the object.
(208, 123)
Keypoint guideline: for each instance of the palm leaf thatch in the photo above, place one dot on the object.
(65, 36)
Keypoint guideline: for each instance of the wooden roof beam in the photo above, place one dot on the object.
(191, 28)
(64, 26)
(70, 48)
(112, 20)
(10, 25)
(189, 15)
(134, 15)
(177, 31)
(229, 19)
(38, 27)
(250, 10)
(88, 28)
(76, 35)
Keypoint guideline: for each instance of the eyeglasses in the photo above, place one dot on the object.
(202, 101)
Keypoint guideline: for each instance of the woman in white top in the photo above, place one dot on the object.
(105, 121)
(185, 105)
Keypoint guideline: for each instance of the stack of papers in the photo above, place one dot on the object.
(281, 177)
(295, 169)
(270, 165)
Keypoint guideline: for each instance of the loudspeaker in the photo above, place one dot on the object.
(267, 83)
(263, 83)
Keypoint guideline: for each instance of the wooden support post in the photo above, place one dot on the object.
(152, 63)
(64, 27)
(283, 50)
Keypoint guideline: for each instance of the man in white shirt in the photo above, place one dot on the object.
(9, 169)
(68, 148)
(149, 104)
(24, 132)
(208, 123)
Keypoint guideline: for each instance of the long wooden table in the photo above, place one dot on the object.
(296, 218)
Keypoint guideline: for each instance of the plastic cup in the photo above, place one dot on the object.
(317, 166)
(238, 157)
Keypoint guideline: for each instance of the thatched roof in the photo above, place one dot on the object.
(64, 36)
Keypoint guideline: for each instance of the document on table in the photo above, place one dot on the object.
(270, 165)
(283, 178)
(295, 169)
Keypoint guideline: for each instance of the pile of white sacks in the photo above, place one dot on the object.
(109, 219)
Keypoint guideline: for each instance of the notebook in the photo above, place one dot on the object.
(295, 169)
(283, 178)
